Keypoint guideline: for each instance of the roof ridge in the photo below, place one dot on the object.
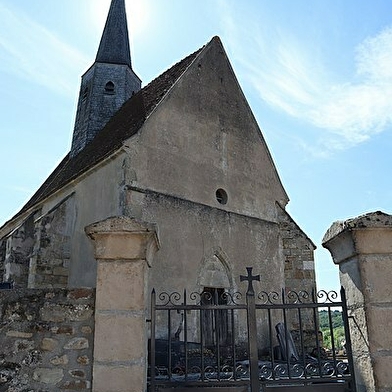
(192, 55)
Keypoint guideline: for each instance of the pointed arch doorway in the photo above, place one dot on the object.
(215, 281)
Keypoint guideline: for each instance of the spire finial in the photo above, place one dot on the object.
(114, 46)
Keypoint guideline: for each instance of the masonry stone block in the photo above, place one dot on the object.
(82, 293)
(49, 344)
(118, 378)
(77, 344)
(66, 312)
(375, 239)
(113, 343)
(376, 274)
(378, 316)
(19, 334)
(33, 359)
(77, 373)
(48, 375)
(86, 329)
(382, 372)
(76, 385)
(63, 330)
(59, 361)
(350, 279)
(24, 345)
(113, 279)
(83, 360)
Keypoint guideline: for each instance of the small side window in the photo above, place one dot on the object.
(109, 88)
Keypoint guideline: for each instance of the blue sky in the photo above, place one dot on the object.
(317, 74)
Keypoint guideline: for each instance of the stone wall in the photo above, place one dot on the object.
(19, 246)
(37, 253)
(46, 339)
(298, 251)
(3, 243)
(300, 275)
(49, 262)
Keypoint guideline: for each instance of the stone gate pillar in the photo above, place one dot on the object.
(362, 247)
(124, 249)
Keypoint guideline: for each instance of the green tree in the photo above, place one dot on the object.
(335, 318)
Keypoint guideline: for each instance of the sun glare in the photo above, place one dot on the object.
(137, 13)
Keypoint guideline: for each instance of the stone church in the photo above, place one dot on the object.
(182, 157)
(184, 154)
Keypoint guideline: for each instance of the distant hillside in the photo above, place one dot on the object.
(337, 327)
(336, 317)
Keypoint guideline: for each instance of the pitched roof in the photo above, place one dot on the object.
(114, 45)
(125, 123)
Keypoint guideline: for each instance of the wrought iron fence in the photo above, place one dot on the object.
(255, 341)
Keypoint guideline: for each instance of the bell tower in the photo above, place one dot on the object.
(108, 83)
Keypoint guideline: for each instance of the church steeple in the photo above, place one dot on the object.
(114, 45)
(108, 83)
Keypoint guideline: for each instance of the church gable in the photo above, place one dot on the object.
(203, 144)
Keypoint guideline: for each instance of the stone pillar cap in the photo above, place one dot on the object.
(117, 224)
(122, 237)
(376, 220)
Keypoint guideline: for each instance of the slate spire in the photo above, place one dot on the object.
(108, 83)
(114, 45)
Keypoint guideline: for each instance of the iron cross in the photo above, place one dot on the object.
(250, 278)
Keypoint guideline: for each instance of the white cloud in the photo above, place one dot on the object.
(354, 111)
(33, 53)
(289, 77)
(374, 57)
